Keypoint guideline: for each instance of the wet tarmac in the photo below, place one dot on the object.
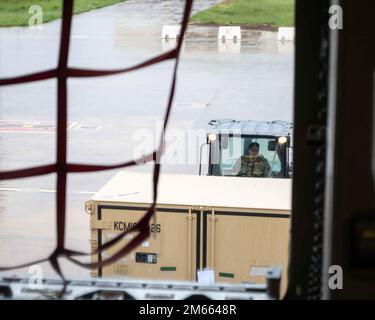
(248, 79)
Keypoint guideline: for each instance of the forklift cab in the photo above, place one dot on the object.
(228, 140)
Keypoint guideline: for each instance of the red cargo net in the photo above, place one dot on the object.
(62, 167)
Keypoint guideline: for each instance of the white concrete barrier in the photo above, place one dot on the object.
(170, 32)
(286, 34)
(229, 33)
(167, 44)
(285, 47)
(229, 46)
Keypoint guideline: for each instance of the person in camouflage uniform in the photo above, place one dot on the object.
(253, 164)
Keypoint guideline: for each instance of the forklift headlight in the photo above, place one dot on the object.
(282, 140)
(212, 137)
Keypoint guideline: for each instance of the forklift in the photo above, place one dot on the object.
(228, 140)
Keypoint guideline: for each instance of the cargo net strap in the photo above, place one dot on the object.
(62, 167)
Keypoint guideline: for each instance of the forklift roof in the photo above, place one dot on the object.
(275, 128)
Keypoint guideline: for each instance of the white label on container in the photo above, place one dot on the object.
(145, 244)
(111, 235)
(206, 276)
(106, 254)
(258, 271)
(129, 236)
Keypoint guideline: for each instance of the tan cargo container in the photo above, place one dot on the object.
(236, 226)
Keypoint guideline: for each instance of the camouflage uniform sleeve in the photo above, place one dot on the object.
(266, 167)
